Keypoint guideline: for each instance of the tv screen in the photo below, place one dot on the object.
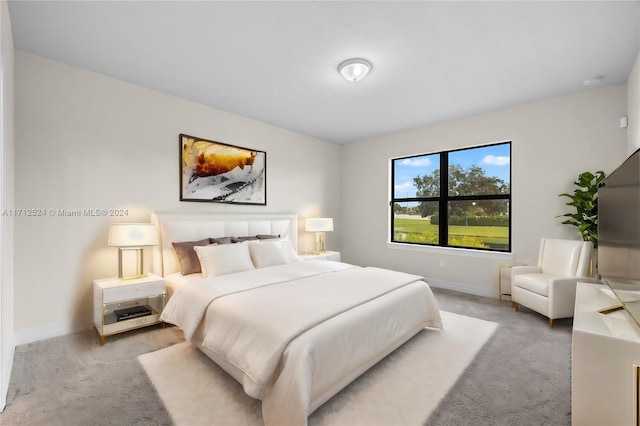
(619, 221)
(619, 233)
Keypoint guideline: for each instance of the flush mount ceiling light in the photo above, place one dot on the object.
(354, 69)
(591, 82)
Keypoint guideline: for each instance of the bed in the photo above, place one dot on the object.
(292, 332)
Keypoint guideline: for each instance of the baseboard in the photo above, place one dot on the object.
(464, 288)
(6, 374)
(31, 335)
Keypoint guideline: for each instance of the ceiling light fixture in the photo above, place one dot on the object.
(354, 69)
(591, 82)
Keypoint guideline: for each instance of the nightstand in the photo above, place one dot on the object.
(113, 296)
(504, 280)
(326, 255)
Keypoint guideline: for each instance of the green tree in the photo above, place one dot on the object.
(398, 209)
(471, 181)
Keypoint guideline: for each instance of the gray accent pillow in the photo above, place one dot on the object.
(267, 237)
(187, 257)
(220, 240)
(241, 239)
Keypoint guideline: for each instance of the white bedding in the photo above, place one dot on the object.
(174, 282)
(295, 334)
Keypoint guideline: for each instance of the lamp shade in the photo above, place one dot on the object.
(319, 224)
(132, 235)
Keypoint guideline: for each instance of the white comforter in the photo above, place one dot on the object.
(192, 300)
(262, 327)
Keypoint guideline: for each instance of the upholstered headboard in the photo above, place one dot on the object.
(192, 227)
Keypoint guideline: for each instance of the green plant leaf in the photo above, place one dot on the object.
(585, 202)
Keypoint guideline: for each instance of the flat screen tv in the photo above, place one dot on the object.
(619, 234)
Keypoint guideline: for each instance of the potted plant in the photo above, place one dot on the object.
(585, 201)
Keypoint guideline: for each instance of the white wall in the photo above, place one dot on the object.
(84, 140)
(553, 141)
(633, 108)
(7, 335)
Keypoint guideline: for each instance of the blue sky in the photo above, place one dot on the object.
(494, 159)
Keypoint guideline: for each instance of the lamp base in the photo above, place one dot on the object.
(316, 252)
(320, 248)
(133, 261)
(133, 277)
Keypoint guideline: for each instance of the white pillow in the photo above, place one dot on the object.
(267, 253)
(224, 259)
(288, 250)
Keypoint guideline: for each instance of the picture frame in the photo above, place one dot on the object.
(217, 172)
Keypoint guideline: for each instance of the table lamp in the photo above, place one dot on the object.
(319, 225)
(130, 238)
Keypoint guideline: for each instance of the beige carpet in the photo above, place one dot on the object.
(403, 389)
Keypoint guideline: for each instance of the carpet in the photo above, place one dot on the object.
(402, 389)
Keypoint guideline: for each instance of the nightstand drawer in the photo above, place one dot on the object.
(134, 291)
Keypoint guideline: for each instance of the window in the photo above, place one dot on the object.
(467, 206)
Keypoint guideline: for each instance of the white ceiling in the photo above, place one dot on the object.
(277, 61)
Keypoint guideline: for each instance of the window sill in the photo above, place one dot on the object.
(452, 251)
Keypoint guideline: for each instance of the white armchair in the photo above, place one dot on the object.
(550, 287)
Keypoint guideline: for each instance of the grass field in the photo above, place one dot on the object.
(422, 231)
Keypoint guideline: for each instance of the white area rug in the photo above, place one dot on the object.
(402, 389)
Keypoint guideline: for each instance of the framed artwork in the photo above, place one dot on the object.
(217, 172)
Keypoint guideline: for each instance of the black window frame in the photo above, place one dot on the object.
(444, 198)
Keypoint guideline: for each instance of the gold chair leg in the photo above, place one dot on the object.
(550, 323)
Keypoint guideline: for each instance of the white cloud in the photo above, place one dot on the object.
(495, 160)
(404, 187)
(416, 162)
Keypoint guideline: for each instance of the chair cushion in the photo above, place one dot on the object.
(561, 257)
(535, 283)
